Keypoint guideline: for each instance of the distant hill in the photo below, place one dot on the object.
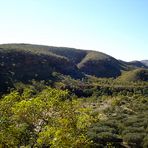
(135, 75)
(145, 62)
(24, 62)
(138, 64)
(126, 66)
(76, 61)
(100, 65)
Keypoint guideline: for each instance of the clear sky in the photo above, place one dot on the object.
(116, 27)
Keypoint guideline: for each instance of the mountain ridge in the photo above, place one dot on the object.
(24, 62)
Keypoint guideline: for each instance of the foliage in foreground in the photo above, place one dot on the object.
(49, 118)
(39, 116)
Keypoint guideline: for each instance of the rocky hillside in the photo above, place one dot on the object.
(24, 62)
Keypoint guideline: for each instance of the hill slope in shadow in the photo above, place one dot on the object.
(24, 62)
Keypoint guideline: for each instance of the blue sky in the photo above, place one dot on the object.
(116, 27)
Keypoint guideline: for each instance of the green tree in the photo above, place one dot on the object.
(49, 118)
